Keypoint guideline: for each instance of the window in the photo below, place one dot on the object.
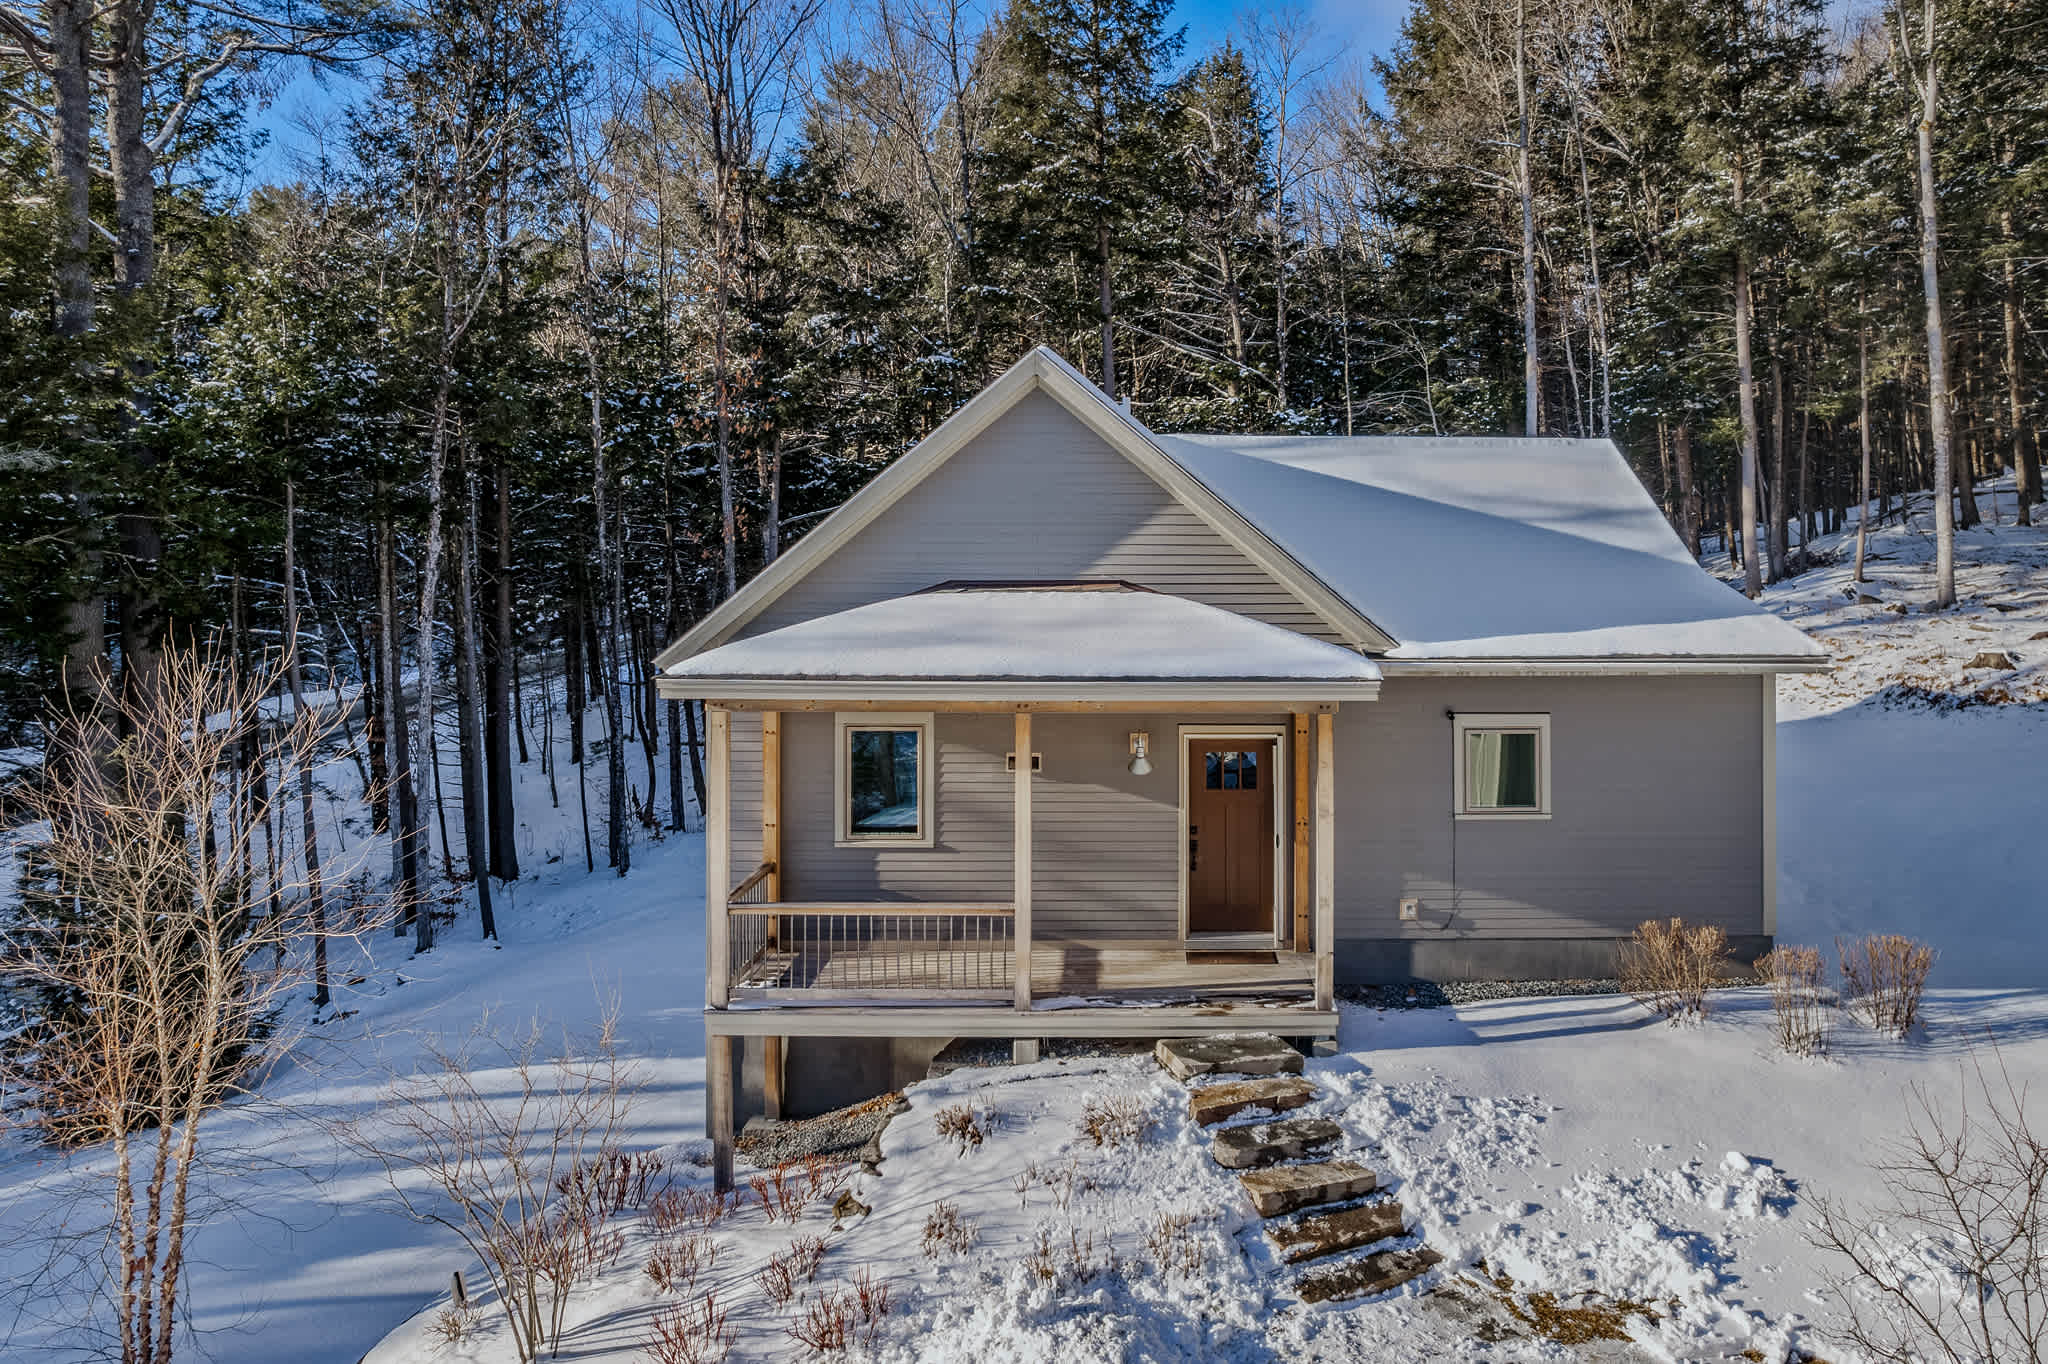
(1502, 766)
(1231, 771)
(882, 770)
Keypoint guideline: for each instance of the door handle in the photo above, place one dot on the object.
(1193, 846)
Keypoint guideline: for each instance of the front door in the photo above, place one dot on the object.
(1230, 835)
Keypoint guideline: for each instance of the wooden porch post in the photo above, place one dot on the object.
(718, 1106)
(1021, 858)
(717, 857)
(771, 856)
(1326, 861)
(1300, 880)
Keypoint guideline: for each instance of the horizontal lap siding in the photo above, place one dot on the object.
(1657, 800)
(1038, 496)
(1105, 843)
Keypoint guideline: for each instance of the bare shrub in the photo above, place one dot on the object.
(1024, 1181)
(153, 946)
(825, 1177)
(612, 1182)
(1799, 998)
(946, 1232)
(1669, 965)
(1070, 1258)
(692, 1333)
(836, 1321)
(963, 1126)
(1953, 1264)
(683, 1209)
(675, 1263)
(477, 1143)
(1115, 1120)
(1173, 1247)
(452, 1325)
(1886, 974)
(784, 1274)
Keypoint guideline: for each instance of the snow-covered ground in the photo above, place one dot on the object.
(1570, 1146)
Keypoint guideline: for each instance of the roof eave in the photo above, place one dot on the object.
(1164, 691)
(1621, 665)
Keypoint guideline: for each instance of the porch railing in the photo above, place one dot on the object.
(817, 950)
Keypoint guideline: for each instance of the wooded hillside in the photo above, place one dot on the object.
(570, 318)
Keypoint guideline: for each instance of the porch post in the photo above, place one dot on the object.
(717, 856)
(1021, 861)
(718, 1107)
(1326, 861)
(1300, 880)
(771, 855)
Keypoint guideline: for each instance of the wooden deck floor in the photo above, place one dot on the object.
(1060, 968)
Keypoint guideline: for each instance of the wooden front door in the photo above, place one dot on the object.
(1230, 835)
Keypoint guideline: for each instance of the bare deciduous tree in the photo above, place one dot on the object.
(143, 928)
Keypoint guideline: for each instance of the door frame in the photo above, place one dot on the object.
(1262, 940)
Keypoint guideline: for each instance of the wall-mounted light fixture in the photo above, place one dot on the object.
(1141, 744)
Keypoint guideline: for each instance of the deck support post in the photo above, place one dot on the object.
(1326, 862)
(771, 1077)
(1020, 854)
(718, 1107)
(1023, 1051)
(717, 857)
(1301, 888)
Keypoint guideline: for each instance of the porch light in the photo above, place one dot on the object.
(1141, 742)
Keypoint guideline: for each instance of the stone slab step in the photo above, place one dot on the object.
(1269, 1143)
(1375, 1273)
(1214, 1103)
(1257, 1053)
(1290, 1188)
(1326, 1233)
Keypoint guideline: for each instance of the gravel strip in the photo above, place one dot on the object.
(847, 1133)
(1430, 995)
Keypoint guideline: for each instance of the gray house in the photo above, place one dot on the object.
(1064, 728)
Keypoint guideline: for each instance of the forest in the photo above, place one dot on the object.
(565, 318)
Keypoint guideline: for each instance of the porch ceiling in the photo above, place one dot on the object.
(1080, 641)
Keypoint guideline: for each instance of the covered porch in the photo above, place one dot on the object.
(1076, 771)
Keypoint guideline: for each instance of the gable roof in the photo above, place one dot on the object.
(1429, 550)
(1039, 371)
(1499, 548)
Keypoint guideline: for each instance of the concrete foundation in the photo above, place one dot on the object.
(1396, 961)
(824, 1073)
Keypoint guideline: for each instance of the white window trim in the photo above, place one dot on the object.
(843, 835)
(1464, 723)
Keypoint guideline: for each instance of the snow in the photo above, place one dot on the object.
(1022, 635)
(1499, 548)
(1573, 1144)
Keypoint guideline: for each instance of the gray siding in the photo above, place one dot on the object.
(1657, 799)
(1039, 496)
(1105, 843)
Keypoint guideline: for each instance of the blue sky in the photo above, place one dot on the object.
(1362, 28)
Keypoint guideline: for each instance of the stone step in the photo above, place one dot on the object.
(1326, 1233)
(1370, 1274)
(1269, 1143)
(1290, 1188)
(1257, 1053)
(1214, 1103)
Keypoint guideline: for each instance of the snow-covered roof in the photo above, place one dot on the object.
(1096, 636)
(1489, 548)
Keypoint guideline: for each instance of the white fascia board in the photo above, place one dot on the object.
(1644, 666)
(1164, 692)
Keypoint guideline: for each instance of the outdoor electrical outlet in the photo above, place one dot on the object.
(1411, 909)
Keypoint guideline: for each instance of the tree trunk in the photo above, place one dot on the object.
(1688, 509)
(374, 731)
(475, 814)
(1105, 303)
(1745, 381)
(316, 905)
(1863, 434)
(1937, 341)
(1532, 376)
(1776, 488)
(2026, 462)
(409, 845)
(499, 646)
(572, 671)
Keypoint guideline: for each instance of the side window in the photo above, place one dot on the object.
(1502, 766)
(883, 779)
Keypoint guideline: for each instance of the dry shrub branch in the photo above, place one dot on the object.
(1800, 1001)
(1669, 965)
(486, 1139)
(156, 947)
(1953, 1265)
(1885, 974)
